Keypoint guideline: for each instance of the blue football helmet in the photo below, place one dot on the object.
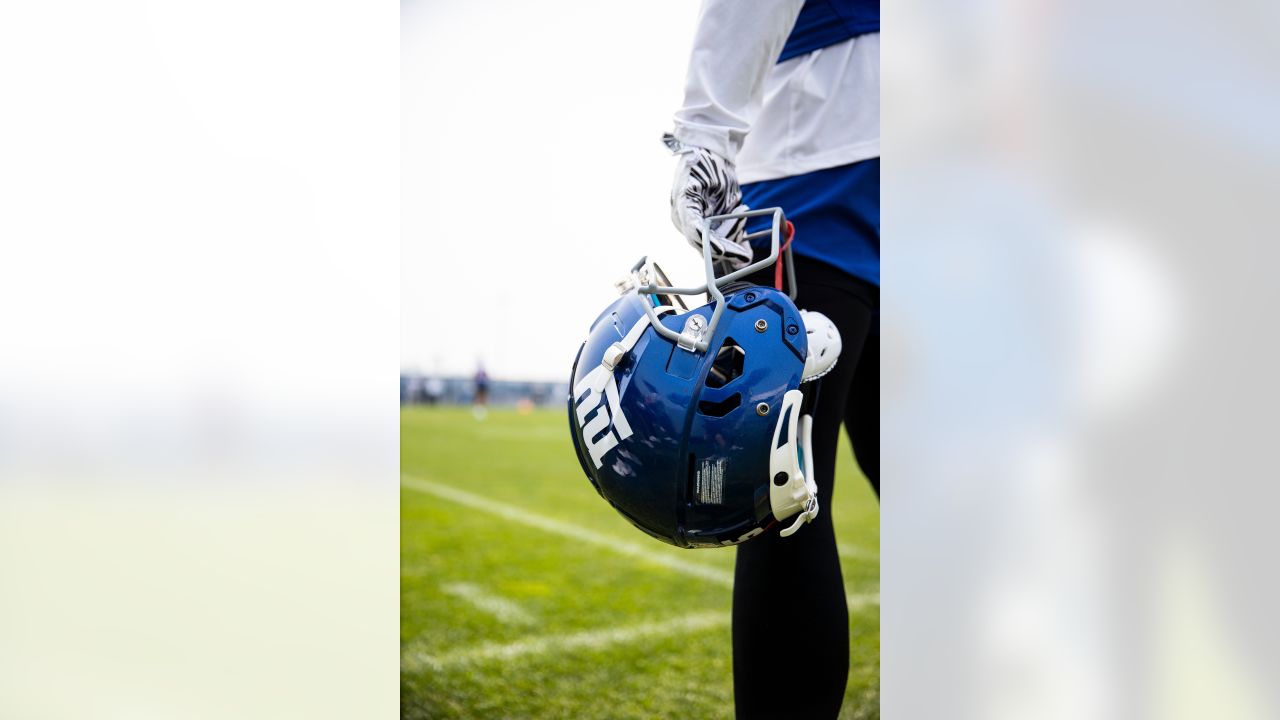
(692, 423)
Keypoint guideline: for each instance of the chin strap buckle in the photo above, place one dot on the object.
(810, 512)
(792, 492)
(613, 355)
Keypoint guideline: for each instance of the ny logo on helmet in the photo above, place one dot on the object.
(596, 386)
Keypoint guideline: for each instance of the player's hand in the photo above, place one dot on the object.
(706, 185)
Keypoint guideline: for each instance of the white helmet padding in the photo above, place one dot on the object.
(824, 345)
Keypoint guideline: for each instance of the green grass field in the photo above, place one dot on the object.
(523, 595)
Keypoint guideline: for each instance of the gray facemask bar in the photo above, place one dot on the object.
(698, 342)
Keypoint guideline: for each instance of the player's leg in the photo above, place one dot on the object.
(862, 415)
(790, 620)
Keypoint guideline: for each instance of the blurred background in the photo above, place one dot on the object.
(198, 348)
(532, 175)
(1078, 390)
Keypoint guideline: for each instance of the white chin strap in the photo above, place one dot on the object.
(599, 377)
(792, 488)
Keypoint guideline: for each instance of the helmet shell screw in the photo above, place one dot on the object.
(761, 325)
(792, 329)
(762, 409)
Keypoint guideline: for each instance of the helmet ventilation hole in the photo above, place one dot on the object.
(728, 364)
(720, 408)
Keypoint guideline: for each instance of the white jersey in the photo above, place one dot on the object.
(811, 112)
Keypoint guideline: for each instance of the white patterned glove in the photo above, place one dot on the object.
(707, 185)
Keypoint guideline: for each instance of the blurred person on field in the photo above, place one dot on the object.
(435, 390)
(480, 400)
(782, 108)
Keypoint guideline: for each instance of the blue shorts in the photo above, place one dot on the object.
(836, 212)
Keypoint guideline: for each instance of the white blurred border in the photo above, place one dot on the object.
(199, 331)
(1079, 388)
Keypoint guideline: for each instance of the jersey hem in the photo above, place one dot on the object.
(790, 167)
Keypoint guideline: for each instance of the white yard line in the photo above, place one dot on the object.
(857, 602)
(501, 608)
(416, 660)
(569, 530)
(853, 552)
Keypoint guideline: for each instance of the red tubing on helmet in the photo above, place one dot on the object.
(777, 273)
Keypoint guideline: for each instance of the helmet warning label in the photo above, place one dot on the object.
(708, 486)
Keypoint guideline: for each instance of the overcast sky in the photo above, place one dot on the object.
(533, 175)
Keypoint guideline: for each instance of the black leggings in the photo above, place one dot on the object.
(781, 668)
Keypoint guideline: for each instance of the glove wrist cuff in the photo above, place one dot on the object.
(713, 141)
